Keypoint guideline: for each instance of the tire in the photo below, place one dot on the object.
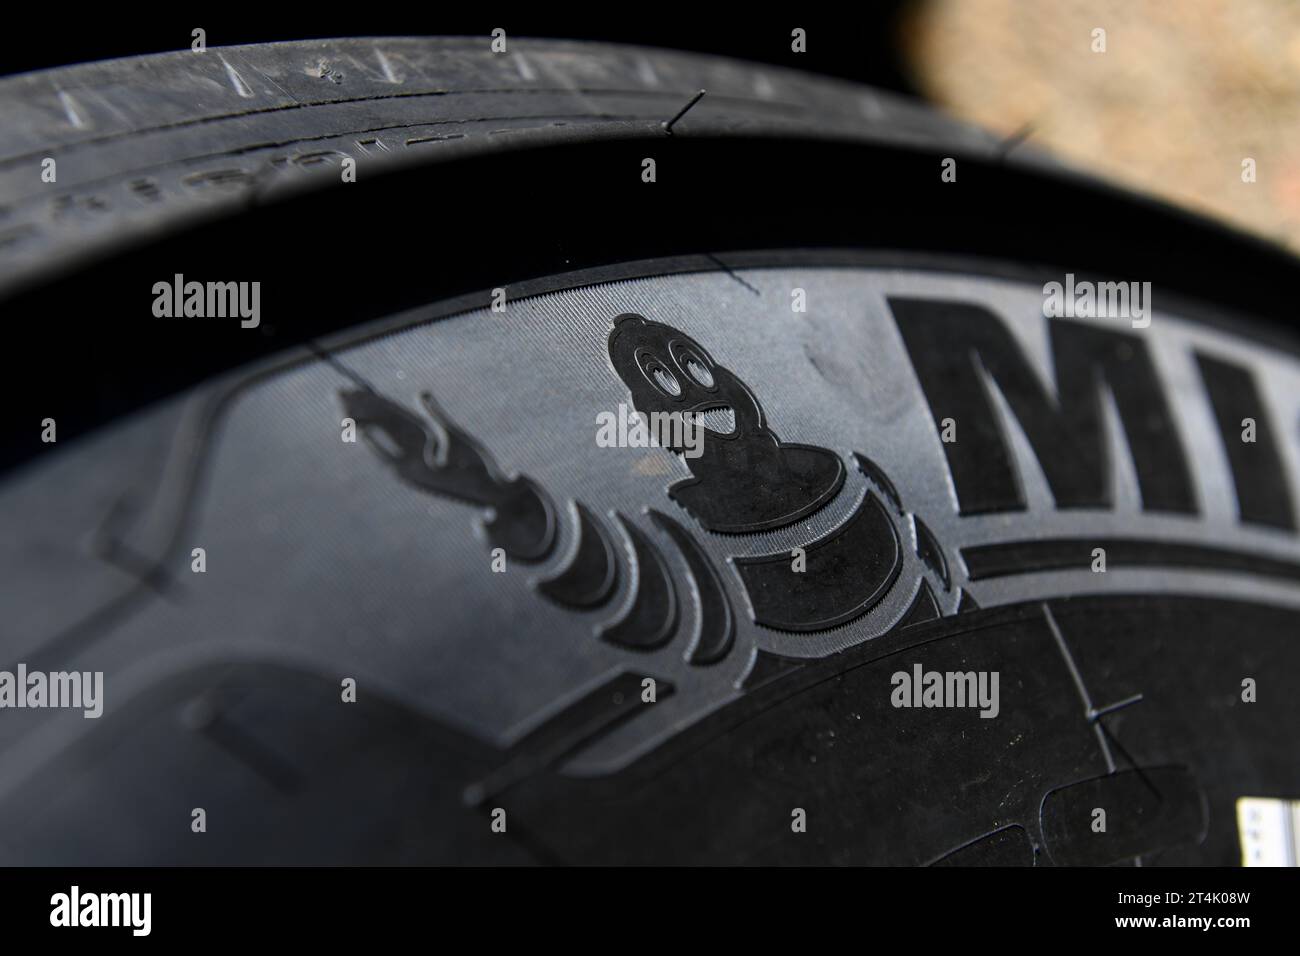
(382, 572)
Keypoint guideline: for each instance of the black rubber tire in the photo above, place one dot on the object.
(145, 144)
(499, 587)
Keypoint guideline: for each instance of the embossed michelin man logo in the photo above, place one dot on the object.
(749, 480)
(745, 481)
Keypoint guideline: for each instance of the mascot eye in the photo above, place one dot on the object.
(691, 362)
(663, 379)
(698, 372)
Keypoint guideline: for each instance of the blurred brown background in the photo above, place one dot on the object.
(1185, 90)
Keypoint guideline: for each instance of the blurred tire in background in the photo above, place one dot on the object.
(1182, 94)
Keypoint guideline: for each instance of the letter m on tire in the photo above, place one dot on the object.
(963, 352)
